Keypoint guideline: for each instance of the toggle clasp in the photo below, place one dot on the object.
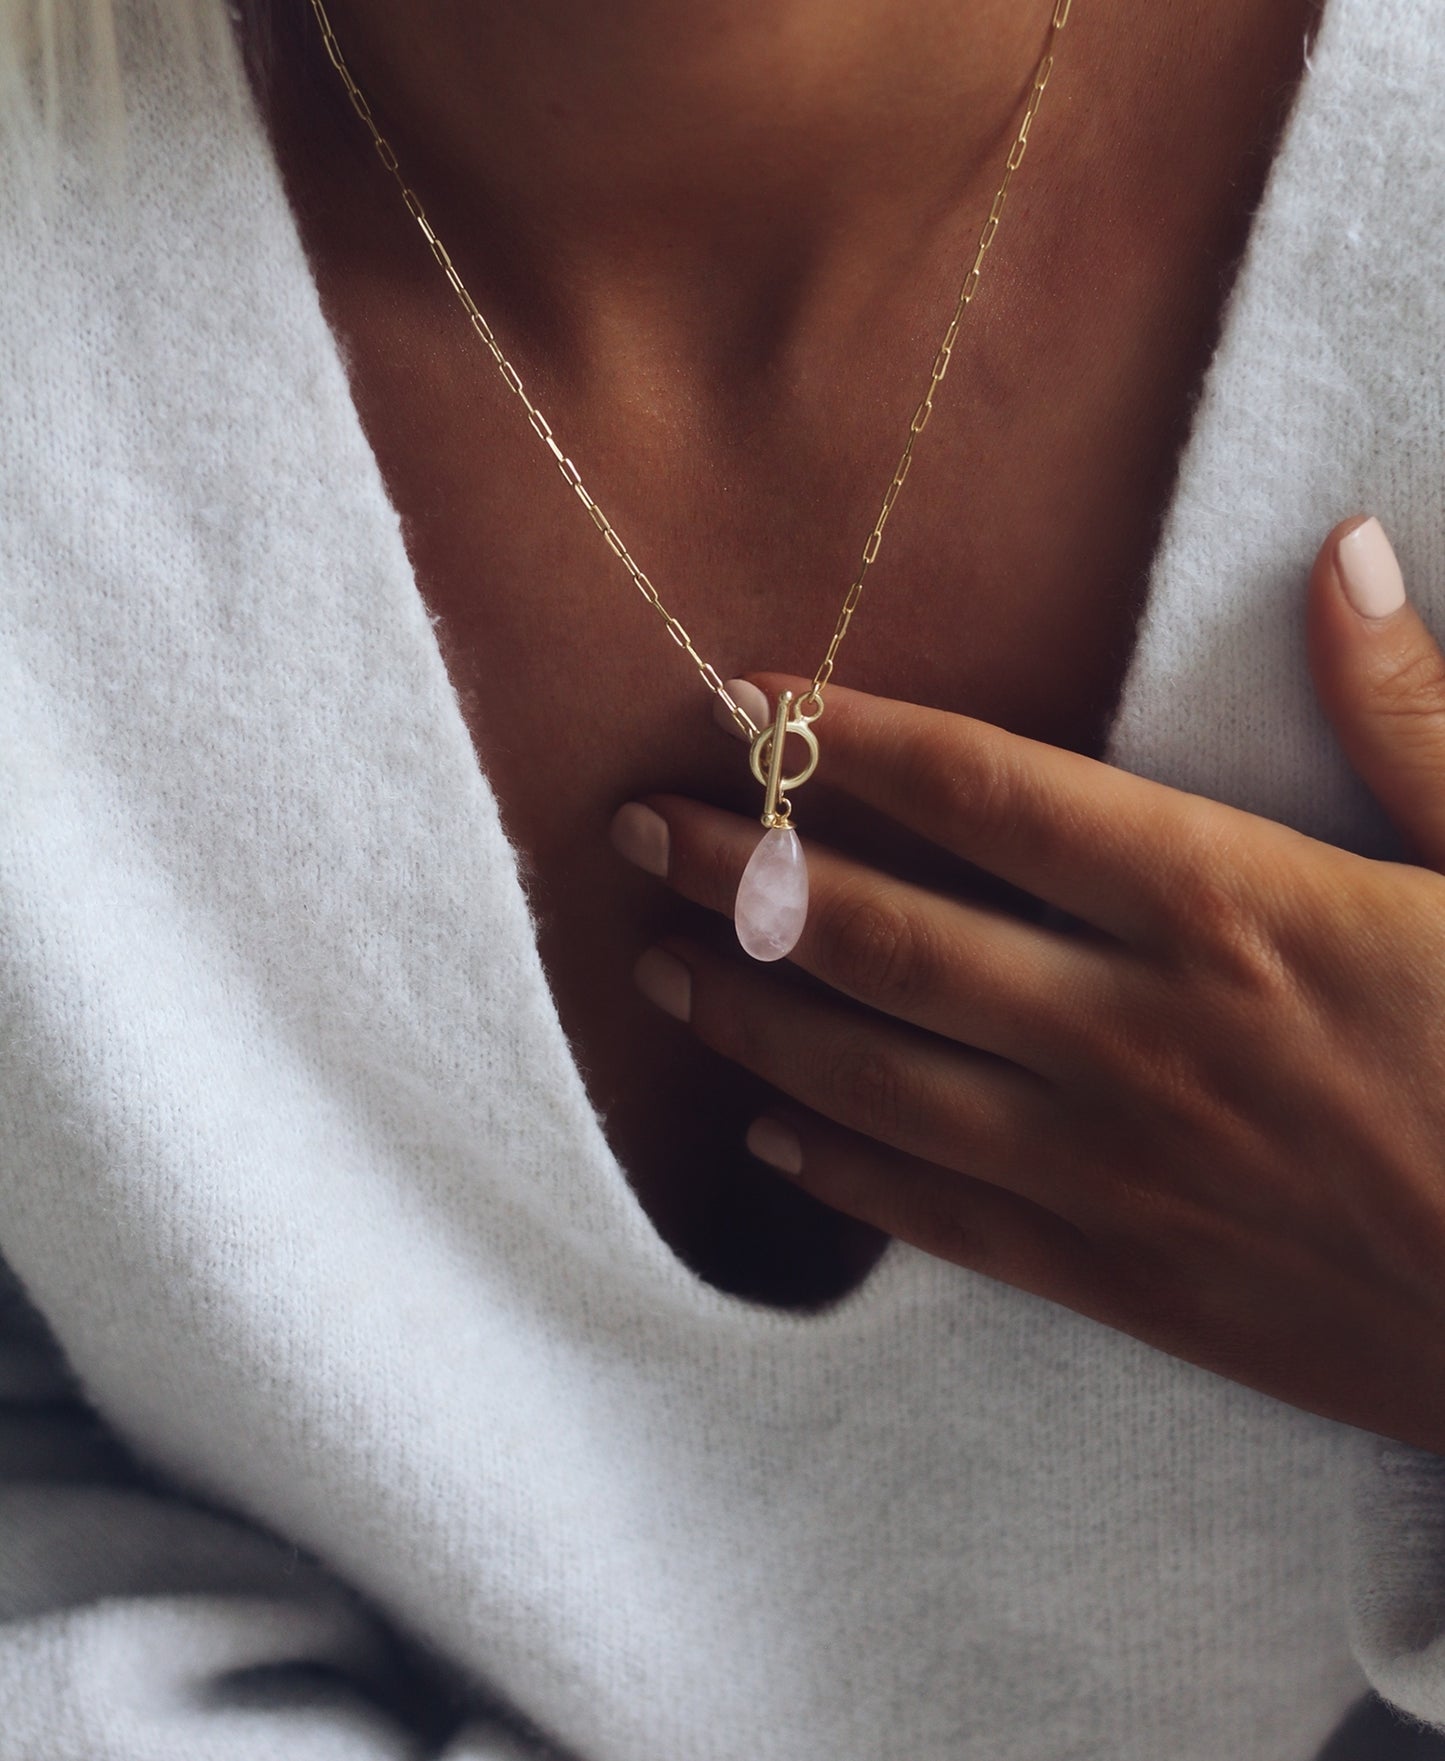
(766, 759)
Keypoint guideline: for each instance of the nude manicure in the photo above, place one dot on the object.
(664, 980)
(749, 699)
(1369, 571)
(776, 1144)
(641, 836)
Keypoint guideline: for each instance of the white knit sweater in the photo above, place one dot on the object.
(298, 1167)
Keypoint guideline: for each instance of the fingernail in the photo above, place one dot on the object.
(640, 835)
(776, 1144)
(749, 699)
(1369, 571)
(663, 979)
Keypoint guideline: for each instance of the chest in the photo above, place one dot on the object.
(1008, 585)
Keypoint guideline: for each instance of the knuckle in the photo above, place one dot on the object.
(1225, 931)
(869, 1090)
(1410, 684)
(985, 802)
(872, 948)
(1240, 949)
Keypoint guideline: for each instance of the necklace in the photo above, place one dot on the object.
(772, 897)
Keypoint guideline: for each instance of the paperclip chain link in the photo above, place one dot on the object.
(810, 706)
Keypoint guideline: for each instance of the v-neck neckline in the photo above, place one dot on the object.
(899, 1267)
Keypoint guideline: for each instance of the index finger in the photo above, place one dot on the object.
(1119, 851)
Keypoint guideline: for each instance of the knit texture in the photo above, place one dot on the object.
(417, 1438)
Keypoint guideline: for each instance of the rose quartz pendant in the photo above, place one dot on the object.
(772, 901)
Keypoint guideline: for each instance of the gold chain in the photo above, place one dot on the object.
(810, 706)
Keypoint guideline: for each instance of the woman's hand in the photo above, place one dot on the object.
(1213, 1116)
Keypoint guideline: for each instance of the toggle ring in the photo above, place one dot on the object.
(757, 758)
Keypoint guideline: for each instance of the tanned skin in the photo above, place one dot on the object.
(720, 241)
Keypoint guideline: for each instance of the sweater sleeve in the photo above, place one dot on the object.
(136, 1625)
(1397, 1577)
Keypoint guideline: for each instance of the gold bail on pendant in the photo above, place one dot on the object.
(767, 750)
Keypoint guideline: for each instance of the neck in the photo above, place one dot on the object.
(645, 167)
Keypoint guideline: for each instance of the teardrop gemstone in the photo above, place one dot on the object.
(772, 901)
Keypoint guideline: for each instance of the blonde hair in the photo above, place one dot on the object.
(63, 62)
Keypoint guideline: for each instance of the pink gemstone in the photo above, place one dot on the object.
(772, 901)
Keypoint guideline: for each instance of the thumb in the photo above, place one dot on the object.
(1381, 678)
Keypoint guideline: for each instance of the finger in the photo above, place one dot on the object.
(954, 1216)
(750, 700)
(896, 1085)
(1381, 678)
(1098, 842)
(970, 973)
